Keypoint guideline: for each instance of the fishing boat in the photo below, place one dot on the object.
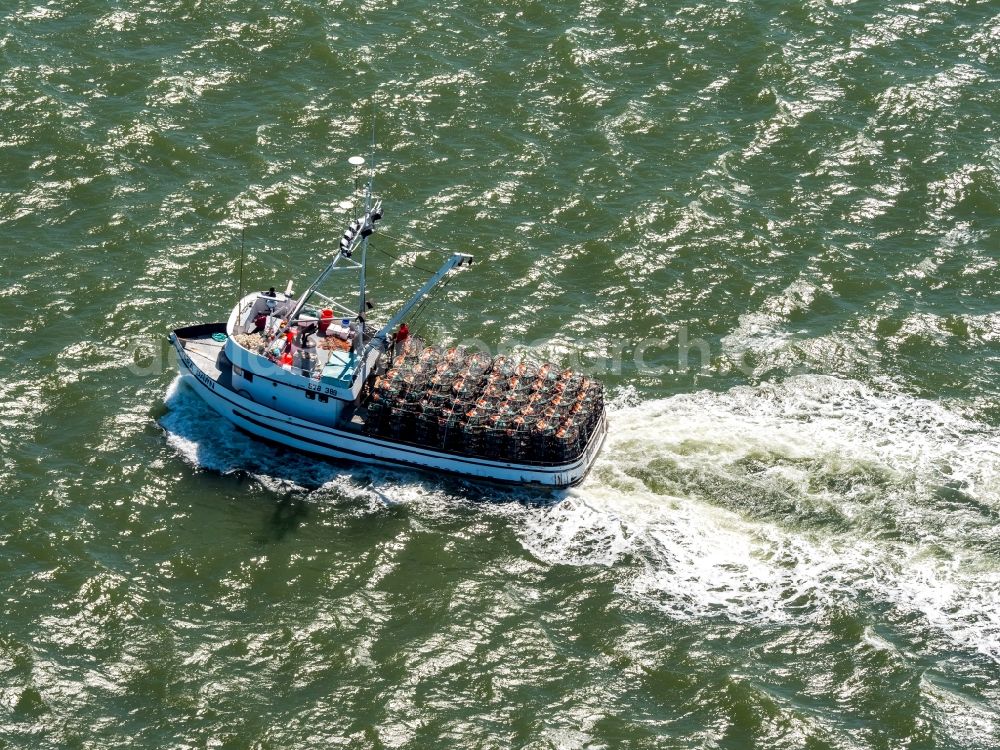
(314, 372)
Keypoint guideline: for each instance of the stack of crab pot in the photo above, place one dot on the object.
(466, 402)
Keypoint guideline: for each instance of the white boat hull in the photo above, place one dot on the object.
(328, 442)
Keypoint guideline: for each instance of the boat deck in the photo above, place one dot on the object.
(210, 357)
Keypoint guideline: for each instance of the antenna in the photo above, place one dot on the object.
(356, 161)
(243, 233)
(371, 155)
(368, 210)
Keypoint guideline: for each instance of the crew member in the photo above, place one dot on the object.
(401, 336)
(304, 333)
(358, 340)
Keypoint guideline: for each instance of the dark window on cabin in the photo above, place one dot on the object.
(323, 398)
(248, 376)
(310, 395)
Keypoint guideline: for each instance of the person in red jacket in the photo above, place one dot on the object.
(401, 336)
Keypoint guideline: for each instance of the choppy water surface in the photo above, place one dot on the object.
(789, 211)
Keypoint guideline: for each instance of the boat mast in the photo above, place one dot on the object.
(357, 231)
(365, 232)
(357, 235)
(364, 241)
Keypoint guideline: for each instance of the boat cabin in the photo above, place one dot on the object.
(313, 365)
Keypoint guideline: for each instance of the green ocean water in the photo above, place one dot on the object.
(771, 229)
